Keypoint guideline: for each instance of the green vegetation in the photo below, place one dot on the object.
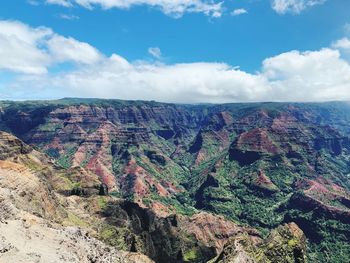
(53, 152)
(65, 160)
(191, 255)
(74, 220)
(102, 202)
(114, 236)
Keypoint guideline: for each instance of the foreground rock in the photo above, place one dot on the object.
(31, 215)
(286, 244)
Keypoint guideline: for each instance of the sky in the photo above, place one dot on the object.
(184, 51)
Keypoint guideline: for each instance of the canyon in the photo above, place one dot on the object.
(146, 181)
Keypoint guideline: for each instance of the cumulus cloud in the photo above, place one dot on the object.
(238, 12)
(343, 43)
(117, 78)
(68, 49)
(294, 6)
(291, 76)
(19, 48)
(312, 75)
(174, 8)
(33, 50)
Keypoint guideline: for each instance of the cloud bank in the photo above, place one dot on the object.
(34, 54)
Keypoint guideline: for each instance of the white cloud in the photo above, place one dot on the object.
(34, 50)
(65, 3)
(294, 6)
(291, 76)
(19, 48)
(239, 11)
(343, 43)
(174, 8)
(308, 76)
(155, 52)
(68, 49)
(117, 78)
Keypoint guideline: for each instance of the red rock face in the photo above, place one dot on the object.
(227, 118)
(286, 127)
(323, 195)
(259, 116)
(213, 138)
(324, 190)
(134, 181)
(219, 140)
(257, 140)
(95, 151)
(264, 182)
(262, 178)
(138, 181)
(162, 210)
(88, 132)
(213, 230)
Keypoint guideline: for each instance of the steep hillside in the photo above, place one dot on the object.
(33, 218)
(51, 214)
(259, 165)
(285, 244)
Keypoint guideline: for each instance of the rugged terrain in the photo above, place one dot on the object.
(35, 223)
(49, 214)
(191, 182)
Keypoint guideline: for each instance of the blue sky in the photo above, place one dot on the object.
(201, 38)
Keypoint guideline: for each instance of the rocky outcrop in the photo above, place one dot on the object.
(20, 120)
(11, 146)
(251, 146)
(256, 140)
(286, 244)
(172, 238)
(213, 231)
(263, 183)
(309, 203)
(159, 238)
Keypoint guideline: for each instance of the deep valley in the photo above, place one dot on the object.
(139, 181)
